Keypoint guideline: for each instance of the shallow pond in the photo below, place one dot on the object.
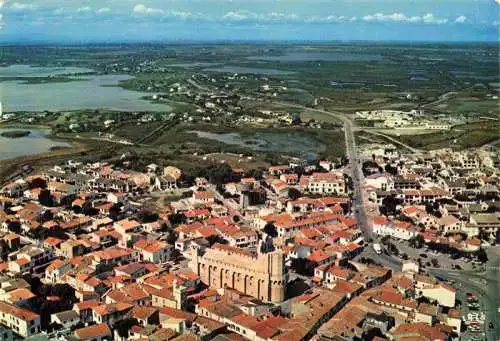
(35, 143)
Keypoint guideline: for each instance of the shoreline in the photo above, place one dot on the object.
(10, 168)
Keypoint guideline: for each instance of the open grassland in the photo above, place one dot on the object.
(459, 137)
(470, 106)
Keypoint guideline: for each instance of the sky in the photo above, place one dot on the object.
(249, 20)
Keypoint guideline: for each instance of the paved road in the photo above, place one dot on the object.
(196, 85)
(356, 173)
(440, 99)
(355, 167)
(410, 148)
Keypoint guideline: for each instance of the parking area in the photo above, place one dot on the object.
(473, 317)
(430, 258)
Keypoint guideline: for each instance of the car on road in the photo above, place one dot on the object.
(377, 248)
(423, 255)
(491, 325)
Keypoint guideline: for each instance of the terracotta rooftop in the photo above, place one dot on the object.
(93, 332)
(20, 313)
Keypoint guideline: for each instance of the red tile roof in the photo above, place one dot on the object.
(95, 331)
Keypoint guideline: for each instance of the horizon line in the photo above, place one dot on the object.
(240, 41)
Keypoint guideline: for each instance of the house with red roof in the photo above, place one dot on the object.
(278, 170)
(323, 183)
(110, 313)
(56, 269)
(396, 228)
(289, 179)
(84, 309)
(97, 332)
(23, 322)
(203, 196)
(418, 331)
(392, 298)
(153, 251)
(197, 214)
(113, 256)
(320, 257)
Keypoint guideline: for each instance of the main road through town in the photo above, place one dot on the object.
(355, 171)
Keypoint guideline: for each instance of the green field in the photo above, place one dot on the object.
(459, 137)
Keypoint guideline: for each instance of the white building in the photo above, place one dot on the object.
(21, 321)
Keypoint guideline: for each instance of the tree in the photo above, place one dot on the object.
(270, 230)
(4, 249)
(54, 326)
(255, 173)
(67, 200)
(417, 241)
(392, 249)
(172, 237)
(45, 198)
(293, 193)
(164, 227)
(435, 262)
(146, 216)
(38, 183)
(482, 256)
(391, 170)
(114, 211)
(300, 265)
(389, 205)
(423, 299)
(218, 173)
(37, 234)
(14, 226)
(46, 216)
(123, 326)
(177, 219)
(371, 333)
(88, 209)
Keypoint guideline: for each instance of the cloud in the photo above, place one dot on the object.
(330, 19)
(428, 18)
(2, 2)
(83, 9)
(461, 19)
(23, 7)
(186, 15)
(142, 9)
(237, 16)
(103, 10)
(243, 16)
